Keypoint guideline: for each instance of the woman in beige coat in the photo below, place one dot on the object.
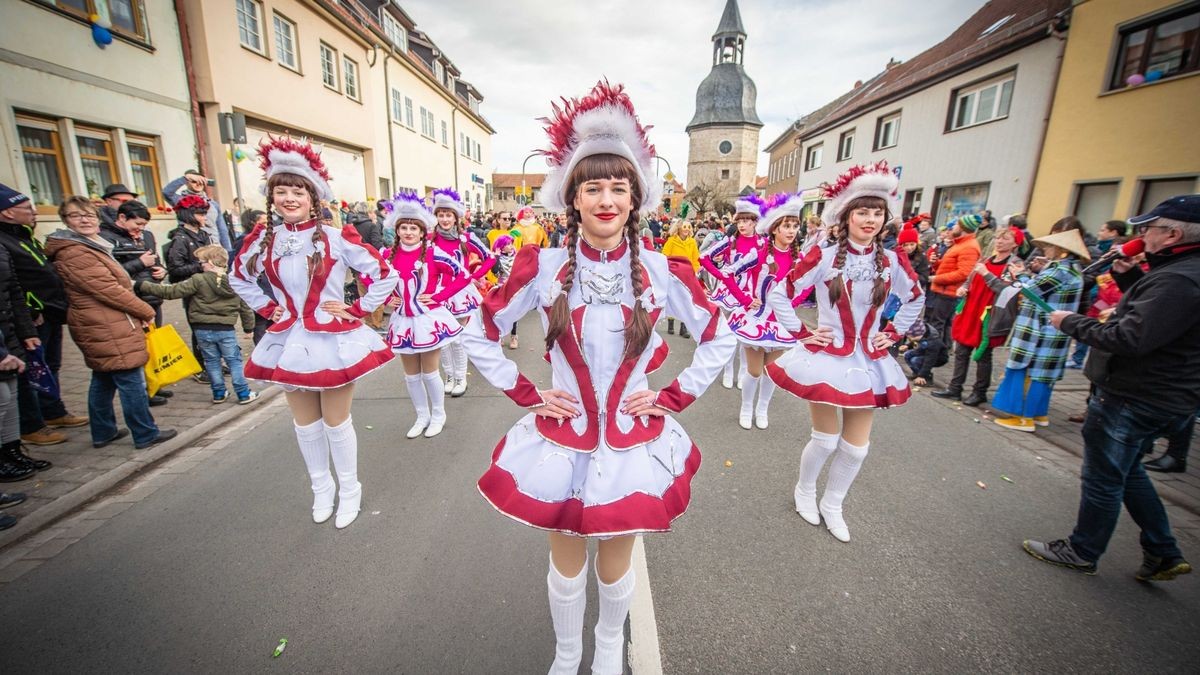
(106, 320)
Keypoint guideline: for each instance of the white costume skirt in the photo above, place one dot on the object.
(759, 329)
(853, 381)
(724, 300)
(298, 358)
(593, 494)
(434, 329)
(465, 302)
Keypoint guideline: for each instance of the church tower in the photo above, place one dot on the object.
(723, 134)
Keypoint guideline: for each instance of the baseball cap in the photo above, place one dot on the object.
(1185, 208)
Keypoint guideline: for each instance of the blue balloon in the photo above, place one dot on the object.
(1154, 76)
(102, 36)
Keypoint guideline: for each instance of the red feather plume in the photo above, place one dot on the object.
(560, 127)
(288, 144)
(831, 190)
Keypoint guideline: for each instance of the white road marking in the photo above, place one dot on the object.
(644, 656)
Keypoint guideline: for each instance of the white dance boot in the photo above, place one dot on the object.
(749, 387)
(447, 361)
(420, 401)
(842, 472)
(742, 372)
(459, 353)
(315, 449)
(609, 658)
(812, 459)
(437, 404)
(766, 389)
(568, 600)
(343, 446)
(727, 374)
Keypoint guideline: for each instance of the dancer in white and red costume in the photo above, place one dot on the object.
(846, 364)
(317, 346)
(421, 325)
(598, 456)
(731, 261)
(473, 256)
(762, 338)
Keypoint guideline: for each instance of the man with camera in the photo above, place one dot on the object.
(1145, 368)
(195, 183)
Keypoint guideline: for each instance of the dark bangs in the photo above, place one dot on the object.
(601, 167)
(291, 180)
(865, 203)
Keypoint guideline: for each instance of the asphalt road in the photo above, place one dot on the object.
(208, 573)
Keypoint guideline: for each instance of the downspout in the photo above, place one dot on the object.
(387, 104)
(1049, 112)
(197, 126)
(454, 149)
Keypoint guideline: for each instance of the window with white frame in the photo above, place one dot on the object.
(249, 22)
(478, 153)
(329, 73)
(285, 43)
(395, 32)
(445, 134)
(397, 106)
(426, 123)
(408, 113)
(439, 71)
(350, 75)
(812, 159)
(887, 131)
(845, 145)
(981, 103)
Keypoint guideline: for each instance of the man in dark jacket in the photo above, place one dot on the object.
(41, 414)
(364, 220)
(1145, 369)
(114, 196)
(134, 247)
(17, 334)
(192, 213)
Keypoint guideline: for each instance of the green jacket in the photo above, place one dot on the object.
(213, 300)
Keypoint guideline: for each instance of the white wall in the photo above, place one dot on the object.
(1003, 153)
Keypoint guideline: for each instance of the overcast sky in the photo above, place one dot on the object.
(522, 54)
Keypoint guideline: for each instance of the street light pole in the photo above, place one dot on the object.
(531, 156)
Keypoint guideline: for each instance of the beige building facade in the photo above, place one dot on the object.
(75, 118)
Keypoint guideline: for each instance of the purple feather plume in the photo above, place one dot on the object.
(448, 192)
(406, 196)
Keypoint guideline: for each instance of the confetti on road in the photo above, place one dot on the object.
(1005, 478)
(280, 648)
(369, 427)
(982, 485)
(728, 463)
(375, 513)
(976, 420)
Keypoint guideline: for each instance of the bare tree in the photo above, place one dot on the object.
(703, 196)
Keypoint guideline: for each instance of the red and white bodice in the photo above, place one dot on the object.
(308, 347)
(736, 263)
(475, 259)
(850, 371)
(602, 473)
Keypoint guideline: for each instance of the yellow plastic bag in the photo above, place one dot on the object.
(170, 359)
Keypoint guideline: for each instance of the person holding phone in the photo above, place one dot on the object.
(192, 182)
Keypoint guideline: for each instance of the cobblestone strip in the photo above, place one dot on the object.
(144, 476)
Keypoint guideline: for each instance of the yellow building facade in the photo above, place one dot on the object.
(1123, 131)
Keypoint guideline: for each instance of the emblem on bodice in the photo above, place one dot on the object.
(604, 289)
(289, 246)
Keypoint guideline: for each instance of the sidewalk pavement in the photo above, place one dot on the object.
(1070, 398)
(80, 472)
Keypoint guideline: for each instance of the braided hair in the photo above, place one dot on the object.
(639, 328)
(794, 249)
(838, 286)
(268, 238)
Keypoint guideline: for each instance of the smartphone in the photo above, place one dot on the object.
(212, 182)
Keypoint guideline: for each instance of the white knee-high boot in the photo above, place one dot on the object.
(812, 459)
(314, 448)
(727, 374)
(420, 401)
(766, 389)
(437, 404)
(749, 387)
(842, 472)
(459, 353)
(568, 600)
(609, 658)
(343, 446)
(447, 360)
(742, 372)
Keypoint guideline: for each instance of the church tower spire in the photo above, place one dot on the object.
(723, 132)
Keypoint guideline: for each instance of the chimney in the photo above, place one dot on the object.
(857, 84)
(892, 63)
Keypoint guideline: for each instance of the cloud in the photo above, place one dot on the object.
(523, 54)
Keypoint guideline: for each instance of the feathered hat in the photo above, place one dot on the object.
(193, 202)
(779, 206)
(287, 155)
(445, 198)
(750, 204)
(407, 206)
(870, 180)
(601, 123)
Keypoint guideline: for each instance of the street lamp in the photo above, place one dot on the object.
(531, 156)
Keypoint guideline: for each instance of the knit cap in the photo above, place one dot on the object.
(10, 197)
(908, 235)
(969, 223)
